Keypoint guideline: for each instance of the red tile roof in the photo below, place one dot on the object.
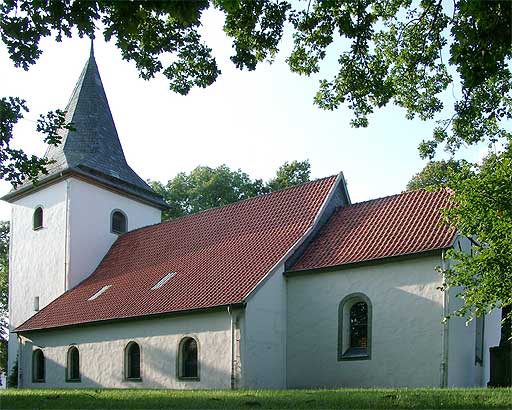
(219, 257)
(402, 224)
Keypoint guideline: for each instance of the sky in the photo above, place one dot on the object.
(253, 121)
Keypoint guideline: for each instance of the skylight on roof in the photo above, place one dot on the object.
(163, 281)
(99, 292)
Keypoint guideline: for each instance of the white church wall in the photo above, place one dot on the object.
(406, 342)
(264, 335)
(463, 371)
(102, 346)
(89, 226)
(37, 257)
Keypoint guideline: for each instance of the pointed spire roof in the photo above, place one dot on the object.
(93, 148)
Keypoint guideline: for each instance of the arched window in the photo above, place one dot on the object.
(73, 365)
(38, 218)
(118, 223)
(38, 366)
(187, 359)
(132, 361)
(354, 327)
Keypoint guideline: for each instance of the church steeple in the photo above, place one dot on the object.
(93, 148)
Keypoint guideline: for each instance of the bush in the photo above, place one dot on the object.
(12, 379)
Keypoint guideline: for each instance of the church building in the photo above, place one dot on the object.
(299, 288)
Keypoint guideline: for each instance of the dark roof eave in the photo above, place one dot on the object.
(105, 180)
(239, 305)
(366, 262)
(125, 187)
(25, 190)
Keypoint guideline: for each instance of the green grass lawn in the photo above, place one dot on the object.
(257, 399)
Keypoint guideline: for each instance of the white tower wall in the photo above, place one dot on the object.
(89, 225)
(36, 263)
(75, 236)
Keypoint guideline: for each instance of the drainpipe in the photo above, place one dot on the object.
(446, 300)
(66, 240)
(233, 320)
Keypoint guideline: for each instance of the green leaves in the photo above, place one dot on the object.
(389, 58)
(256, 27)
(15, 165)
(436, 174)
(206, 187)
(389, 51)
(290, 174)
(483, 212)
(146, 31)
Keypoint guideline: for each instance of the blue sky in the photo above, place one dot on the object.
(250, 120)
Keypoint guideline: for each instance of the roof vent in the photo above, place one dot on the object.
(163, 281)
(99, 292)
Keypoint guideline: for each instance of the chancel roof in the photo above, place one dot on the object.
(398, 225)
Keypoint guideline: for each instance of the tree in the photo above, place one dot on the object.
(4, 293)
(483, 213)
(15, 165)
(290, 174)
(391, 51)
(206, 187)
(435, 174)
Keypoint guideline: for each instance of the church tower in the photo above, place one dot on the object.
(64, 225)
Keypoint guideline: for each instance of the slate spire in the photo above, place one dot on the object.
(93, 148)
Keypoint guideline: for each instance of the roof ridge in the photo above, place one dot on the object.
(203, 211)
(396, 195)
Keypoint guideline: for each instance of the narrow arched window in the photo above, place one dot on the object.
(359, 325)
(132, 361)
(118, 223)
(354, 335)
(38, 218)
(73, 365)
(38, 366)
(188, 363)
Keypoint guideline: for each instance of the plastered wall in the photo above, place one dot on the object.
(264, 335)
(37, 258)
(75, 237)
(101, 352)
(463, 371)
(406, 326)
(89, 225)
